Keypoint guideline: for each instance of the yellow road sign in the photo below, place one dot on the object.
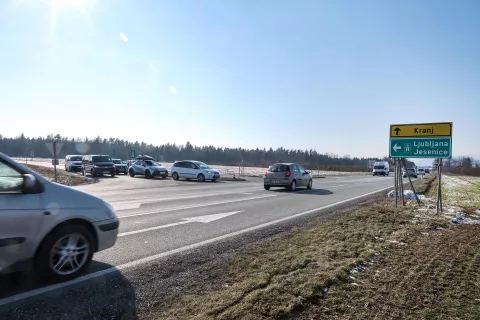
(421, 130)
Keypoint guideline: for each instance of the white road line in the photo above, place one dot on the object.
(139, 262)
(121, 205)
(153, 228)
(194, 206)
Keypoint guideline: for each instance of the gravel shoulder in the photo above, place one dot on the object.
(63, 177)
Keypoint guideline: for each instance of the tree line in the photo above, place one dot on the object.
(22, 146)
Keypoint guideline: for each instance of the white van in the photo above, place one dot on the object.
(49, 227)
(73, 163)
(381, 168)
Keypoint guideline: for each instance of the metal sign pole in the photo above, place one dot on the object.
(410, 181)
(396, 183)
(55, 160)
(400, 178)
(439, 188)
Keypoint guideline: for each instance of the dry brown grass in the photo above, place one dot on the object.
(65, 178)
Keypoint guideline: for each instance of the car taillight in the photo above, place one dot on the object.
(265, 174)
(287, 174)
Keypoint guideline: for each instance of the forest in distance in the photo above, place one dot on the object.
(22, 146)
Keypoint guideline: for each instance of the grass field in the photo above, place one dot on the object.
(376, 262)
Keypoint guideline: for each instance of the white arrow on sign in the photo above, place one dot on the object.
(203, 219)
(395, 148)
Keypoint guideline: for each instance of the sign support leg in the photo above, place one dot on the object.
(400, 179)
(439, 188)
(55, 160)
(410, 181)
(396, 182)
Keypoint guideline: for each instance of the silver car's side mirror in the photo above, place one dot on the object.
(29, 181)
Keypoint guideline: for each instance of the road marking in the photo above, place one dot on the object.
(203, 219)
(194, 206)
(246, 193)
(121, 205)
(128, 265)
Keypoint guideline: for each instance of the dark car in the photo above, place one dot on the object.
(98, 165)
(120, 166)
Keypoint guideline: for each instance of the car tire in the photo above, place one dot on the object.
(201, 177)
(131, 173)
(92, 173)
(175, 176)
(293, 186)
(164, 177)
(125, 172)
(148, 175)
(46, 262)
(112, 174)
(309, 185)
(266, 187)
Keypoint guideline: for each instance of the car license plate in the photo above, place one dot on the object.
(275, 181)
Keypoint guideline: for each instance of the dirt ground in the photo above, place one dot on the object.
(63, 177)
(435, 276)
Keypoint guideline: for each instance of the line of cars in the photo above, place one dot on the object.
(143, 165)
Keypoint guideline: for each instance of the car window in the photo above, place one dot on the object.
(11, 181)
(190, 165)
(296, 169)
(77, 158)
(101, 159)
(278, 168)
(117, 161)
(301, 169)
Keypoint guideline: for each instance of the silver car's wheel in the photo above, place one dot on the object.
(293, 186)
(310, 183)
(69, 254)
(65, 253)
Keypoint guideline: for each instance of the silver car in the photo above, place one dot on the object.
(49, 227)
(288, 175)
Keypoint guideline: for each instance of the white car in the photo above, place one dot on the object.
(421, 172)
(145, 166)
(191, 169)
(49, 227)
(73, 163)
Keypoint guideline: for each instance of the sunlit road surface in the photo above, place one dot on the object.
(160, 218)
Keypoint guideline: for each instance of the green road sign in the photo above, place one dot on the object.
(421, 147)
(133, 154)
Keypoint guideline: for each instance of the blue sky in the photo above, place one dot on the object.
(324, 75)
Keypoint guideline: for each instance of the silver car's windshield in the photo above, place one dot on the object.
(152, 163)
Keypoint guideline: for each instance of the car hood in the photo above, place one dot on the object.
(158, 167)
(77, 163)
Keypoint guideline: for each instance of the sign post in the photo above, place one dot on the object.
(423, 140)
(54, 148)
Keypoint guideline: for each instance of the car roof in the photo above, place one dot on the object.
(286, 163)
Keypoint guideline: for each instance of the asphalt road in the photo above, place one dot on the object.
(160, 218)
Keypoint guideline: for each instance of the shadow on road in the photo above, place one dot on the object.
(315, 192)
(107, 296)
(196, 181)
